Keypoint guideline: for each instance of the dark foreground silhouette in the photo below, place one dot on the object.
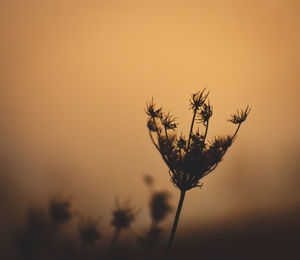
(58, 232)
(48, 234)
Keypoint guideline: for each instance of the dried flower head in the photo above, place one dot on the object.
(240, 116)
(198, 100)
(189, 160)
(151, 110)
(205, 113)
(168, 121)
(88, 231)
(181, 143)
(123, 216)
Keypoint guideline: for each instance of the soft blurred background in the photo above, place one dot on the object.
(75, 77)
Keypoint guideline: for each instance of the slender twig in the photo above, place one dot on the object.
(191, 130)
(156, 128)
(236, 131)
(209, 171)
(162, 155)
(206, 130)
(168, 142)
(151, 137)
(171, 239)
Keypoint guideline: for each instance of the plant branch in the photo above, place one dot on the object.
(206, 130)
(191, 130)
(162, 155)
(151, 137)
(236, 131)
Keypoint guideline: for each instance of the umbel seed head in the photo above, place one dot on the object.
(190, 159)
(198, 100)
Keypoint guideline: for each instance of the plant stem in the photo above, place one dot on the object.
(206, 130)
(191, 130)
(236, 131)
(180, 203)
(151, 137)
(114, 239)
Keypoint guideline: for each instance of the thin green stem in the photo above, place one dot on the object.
(173, 231)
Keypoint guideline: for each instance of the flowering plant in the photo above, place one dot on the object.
(189, 159)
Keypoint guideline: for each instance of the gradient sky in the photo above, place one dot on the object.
(75, 77)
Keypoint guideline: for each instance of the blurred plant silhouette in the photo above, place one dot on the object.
(160, 208)
(189, 159)
(48, 233)
(43, 235)
(88, 231)
(123, 216)
(59, 210)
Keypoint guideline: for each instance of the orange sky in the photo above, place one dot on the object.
(75, 77)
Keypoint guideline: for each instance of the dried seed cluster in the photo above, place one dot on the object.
(190, 159)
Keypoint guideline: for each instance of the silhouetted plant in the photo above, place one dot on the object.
(59, 210)
(159, 204)
(34, 235)
(42, 236)
(160, 208)
(122, 219)
(88, 231)
(189, 159)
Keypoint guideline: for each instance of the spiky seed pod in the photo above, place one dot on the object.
(205, 113)
(152, 111)
(240, 116)
(198, 100)
(168, 121)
